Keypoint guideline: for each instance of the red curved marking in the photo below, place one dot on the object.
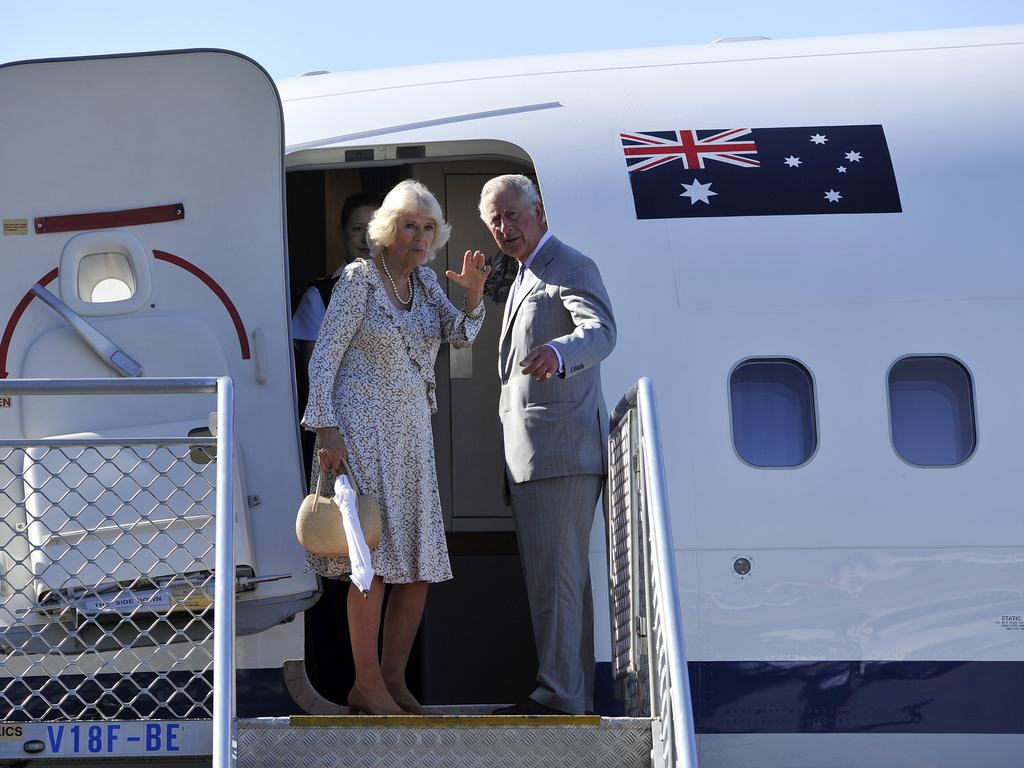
(212, 284)
(12, 322)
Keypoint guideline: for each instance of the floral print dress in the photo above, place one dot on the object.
(372, 376)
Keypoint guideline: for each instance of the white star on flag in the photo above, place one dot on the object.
(853, 157)
(818, 139)
(793, 162)
(698, 191)
(841, 169)
(832, 196)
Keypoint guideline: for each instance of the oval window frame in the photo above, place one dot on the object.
(815, 420)
(971, 391)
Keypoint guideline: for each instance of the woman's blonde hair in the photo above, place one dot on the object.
(409, 197)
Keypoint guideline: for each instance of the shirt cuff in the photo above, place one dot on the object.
(476, 313)
(561, 362)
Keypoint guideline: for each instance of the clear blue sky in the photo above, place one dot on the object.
(289, 38)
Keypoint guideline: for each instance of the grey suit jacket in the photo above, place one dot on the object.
(558, 427)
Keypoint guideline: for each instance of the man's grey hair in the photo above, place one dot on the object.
(523, 188)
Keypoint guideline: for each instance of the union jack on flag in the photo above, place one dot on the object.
(649, 150)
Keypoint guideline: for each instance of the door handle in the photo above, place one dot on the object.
(460, 363)
(120, 361)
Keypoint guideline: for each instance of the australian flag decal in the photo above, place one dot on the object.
(761, 171)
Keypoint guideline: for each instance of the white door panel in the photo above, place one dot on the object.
(151, 192)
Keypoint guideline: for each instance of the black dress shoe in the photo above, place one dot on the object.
(530, 707)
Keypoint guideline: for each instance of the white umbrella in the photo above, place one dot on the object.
(358, 552)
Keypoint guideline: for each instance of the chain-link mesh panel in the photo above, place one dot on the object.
(626, 569)
(106, 583)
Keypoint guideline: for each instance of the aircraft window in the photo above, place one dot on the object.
(931, 411)
(105, 277)
(110, 289)
(773, 420)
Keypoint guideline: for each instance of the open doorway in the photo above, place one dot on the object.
(475, 644)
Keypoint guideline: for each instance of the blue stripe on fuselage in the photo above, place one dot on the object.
(852, 696)
(738, 697)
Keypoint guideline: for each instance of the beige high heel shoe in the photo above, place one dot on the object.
(362, 705)
(407, 702)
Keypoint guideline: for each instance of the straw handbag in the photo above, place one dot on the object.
(318, 525)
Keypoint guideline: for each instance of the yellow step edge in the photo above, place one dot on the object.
(440, 721)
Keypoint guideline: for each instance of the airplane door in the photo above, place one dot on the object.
(477, 503)
(481, 616)
(145, 192)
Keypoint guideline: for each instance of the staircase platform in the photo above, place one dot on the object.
(445, 740)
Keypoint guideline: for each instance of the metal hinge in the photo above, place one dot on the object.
(249, 582)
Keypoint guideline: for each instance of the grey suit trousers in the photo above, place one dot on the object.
(553, 518)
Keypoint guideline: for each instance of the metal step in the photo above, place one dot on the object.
(445, 741)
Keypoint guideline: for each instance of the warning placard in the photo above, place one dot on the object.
(1013, 622)
(15, 227)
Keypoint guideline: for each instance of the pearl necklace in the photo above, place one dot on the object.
(408, 282)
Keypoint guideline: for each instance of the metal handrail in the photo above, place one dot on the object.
(224, 723)
(666, 648)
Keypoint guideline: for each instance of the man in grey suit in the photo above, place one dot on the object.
(557, 328)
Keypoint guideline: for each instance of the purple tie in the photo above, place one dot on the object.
(517, 283)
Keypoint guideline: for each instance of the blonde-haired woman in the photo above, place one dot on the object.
(371, 395)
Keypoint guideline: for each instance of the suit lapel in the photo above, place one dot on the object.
(503, 352)
(530, 282)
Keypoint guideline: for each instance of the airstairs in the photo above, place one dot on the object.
(173, 722)
(447, 738)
